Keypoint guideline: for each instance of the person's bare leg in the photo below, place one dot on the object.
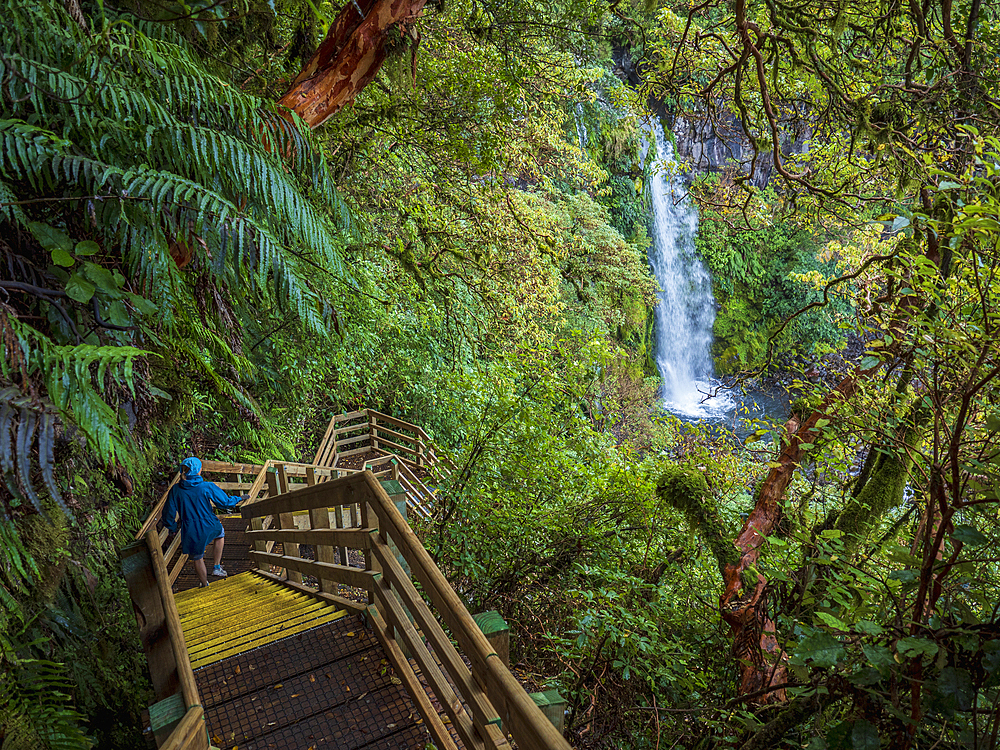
(199, 567)
(218, 550)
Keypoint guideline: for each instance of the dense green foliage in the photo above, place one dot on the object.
(761, 277)
(186, 269)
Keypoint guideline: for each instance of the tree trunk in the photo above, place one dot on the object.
(349, 57)
(742, 602)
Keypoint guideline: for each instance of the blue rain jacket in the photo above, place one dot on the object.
(193, 498)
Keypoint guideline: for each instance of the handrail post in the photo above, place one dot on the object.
(372, 429)
(180, 723)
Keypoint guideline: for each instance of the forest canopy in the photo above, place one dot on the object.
(212, 239)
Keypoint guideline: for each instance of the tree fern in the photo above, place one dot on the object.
(156, 153)
(147, 209)
(35, 709)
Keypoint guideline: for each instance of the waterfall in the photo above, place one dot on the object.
(686, 309)
(581, 128)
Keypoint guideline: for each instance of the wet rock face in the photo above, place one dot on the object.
(714, 147)
(705, 147)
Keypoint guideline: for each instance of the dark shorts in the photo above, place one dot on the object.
(210, 541)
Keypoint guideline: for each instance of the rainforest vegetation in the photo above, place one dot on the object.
(211, 242)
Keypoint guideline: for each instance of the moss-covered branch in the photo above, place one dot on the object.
(685, 489)
(883, 487)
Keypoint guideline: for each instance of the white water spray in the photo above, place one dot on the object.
(686, 309)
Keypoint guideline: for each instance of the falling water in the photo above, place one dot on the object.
(686, 309)
(581, 128)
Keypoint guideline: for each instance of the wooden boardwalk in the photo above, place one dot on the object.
(278, 669)
(329, 630)
(324, 687)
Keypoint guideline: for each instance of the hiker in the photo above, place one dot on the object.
(192, 497)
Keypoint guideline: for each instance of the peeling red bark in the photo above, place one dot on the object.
(349, 57)
(755, 646)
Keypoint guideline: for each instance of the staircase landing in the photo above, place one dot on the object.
(280, 670)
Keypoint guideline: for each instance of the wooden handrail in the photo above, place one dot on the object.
(154, 514)
(475, 699)
(173, 621)
(190, 733)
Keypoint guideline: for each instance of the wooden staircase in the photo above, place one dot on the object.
(328, 631)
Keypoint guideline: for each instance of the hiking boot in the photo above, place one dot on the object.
(219, 572)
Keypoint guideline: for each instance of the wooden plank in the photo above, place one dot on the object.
(225, 467)
(173, 622)
(368, 515)
(371, 463)
(325, 495)
(260, 545)
(326, 436)
(258, 485)
(482, 711)
(178, 567)
(319, 519)
(394, 615)
(355, 451)
(329, 455)
(234, 485)
(354, 538)
(397, 446)
(397, 422)
(339, 601)
(351, 428)
(338, 519)
(392, 433)
(442, 738)
(274, 489)
(351, 415)
(139, 573)
(298, 470)
(175, 544)
(190, 733)
(287, 521)
(341, 573)
(351, 441)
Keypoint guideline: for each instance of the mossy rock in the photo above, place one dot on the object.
(47, 541)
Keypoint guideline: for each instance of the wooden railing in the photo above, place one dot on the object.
(365, 430)
(483, 703)
(274, 477)
(163, 641)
